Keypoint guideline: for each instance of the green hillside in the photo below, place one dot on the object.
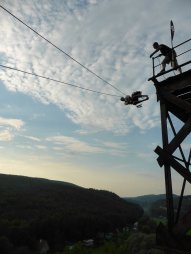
(32, 208)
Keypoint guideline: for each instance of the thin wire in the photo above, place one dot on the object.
(57, 81)
(184, 52)
(61, 50)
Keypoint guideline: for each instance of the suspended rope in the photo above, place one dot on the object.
(105, 81)
(54, 80)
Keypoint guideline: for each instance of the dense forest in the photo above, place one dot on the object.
(33, 209)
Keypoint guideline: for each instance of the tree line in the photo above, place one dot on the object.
(33, 209)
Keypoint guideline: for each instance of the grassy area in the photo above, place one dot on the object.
(162, 220)
(189, 232)
(136, 242)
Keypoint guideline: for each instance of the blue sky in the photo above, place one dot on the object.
(60, 132)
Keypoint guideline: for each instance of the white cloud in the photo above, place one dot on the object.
(9, 127)
(75, 145)
(66, 143)
(111, 38)
(12, 123)
(6, 135)
(32, 138)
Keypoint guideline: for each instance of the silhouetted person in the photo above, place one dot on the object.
(169, 56)
(135, 99)
(127, 99)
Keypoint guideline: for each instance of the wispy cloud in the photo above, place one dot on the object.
(32, 138)
(6, 135)
(9, 127)
(66, 143)
(99, 44)
(112, 38)
(41, 147)
(74, 145)
(11, 123)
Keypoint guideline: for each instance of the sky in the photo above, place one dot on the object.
(61, 132)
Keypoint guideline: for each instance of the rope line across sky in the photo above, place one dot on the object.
(57, 81)
(72, 58)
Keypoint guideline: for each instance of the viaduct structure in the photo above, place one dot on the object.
(174, 96)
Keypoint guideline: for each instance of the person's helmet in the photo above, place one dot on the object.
(122, 99)
(155, 44)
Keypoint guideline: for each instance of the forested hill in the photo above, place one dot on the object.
(40, 208)
(148, 202)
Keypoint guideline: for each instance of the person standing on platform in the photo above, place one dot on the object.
(169, 56)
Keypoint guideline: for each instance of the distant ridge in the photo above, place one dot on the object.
(151, 197)
(147, 202)
(24, 180)
(148, 197)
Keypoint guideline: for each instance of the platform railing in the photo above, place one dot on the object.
(154, 65)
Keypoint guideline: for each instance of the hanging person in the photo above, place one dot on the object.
(135, 99)
(169, 56)
(127, 99)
